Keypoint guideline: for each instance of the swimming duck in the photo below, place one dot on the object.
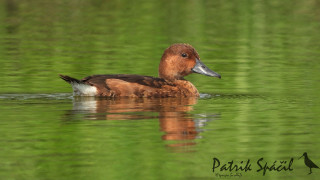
(177, 61)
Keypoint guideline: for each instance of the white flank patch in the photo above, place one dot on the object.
(83, 90)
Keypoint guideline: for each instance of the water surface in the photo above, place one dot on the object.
(266, 104)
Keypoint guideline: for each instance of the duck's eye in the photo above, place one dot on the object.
(184, 55)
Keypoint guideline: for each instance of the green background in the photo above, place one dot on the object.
(266, 104)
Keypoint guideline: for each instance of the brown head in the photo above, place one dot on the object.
(180, 60)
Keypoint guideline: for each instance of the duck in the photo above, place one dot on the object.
(177, 61)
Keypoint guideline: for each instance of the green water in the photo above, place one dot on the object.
(266, 104)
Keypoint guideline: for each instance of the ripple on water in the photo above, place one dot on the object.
(231, 96)
(54, 96)
(59, 96)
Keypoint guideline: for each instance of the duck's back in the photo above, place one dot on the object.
(130, 86)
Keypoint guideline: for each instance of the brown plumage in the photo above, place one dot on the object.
(177, 61)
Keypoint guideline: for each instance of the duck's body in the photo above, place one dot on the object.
(177, 61)
(116, 85)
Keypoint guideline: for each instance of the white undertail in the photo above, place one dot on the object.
(83, 89)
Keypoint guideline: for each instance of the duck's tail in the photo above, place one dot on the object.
(69, 79)
(79, 87)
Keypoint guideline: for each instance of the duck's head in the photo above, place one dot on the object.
(180, 60)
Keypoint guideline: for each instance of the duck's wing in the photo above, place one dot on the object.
(127, 85)
(128, 78)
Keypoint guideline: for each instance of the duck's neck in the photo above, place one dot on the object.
(168, 71)
(170, 77)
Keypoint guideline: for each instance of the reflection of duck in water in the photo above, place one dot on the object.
(177, 61)
(308, 162)
(172, 113)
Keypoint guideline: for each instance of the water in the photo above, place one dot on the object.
(266, 104)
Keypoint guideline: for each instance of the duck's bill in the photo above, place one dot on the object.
(203, 69)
